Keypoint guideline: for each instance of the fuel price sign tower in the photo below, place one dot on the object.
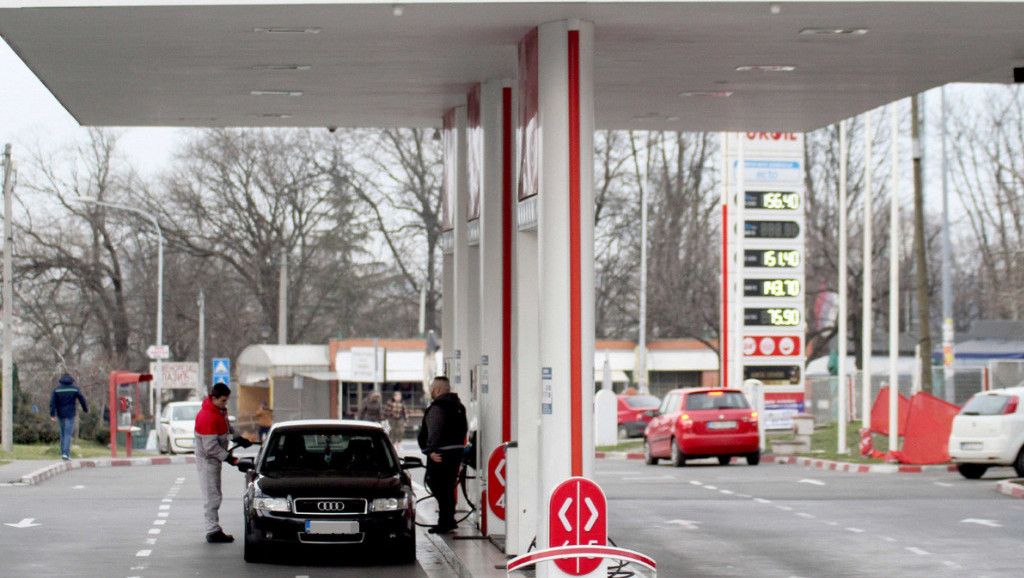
(763, 313)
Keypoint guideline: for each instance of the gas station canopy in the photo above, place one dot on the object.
(719, 65)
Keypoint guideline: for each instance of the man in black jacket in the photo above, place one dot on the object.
(63, 411)
(442, 438)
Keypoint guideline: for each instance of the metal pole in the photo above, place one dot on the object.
(200, 387)
(894, 284)
(947, 270)
(282, 301)
(642, 345)
(8, 307)
(843, 401)
(737, 282)
(867, 311)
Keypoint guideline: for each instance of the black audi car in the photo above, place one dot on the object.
(325, 484)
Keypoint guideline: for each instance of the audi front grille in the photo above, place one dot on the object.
(330, 506)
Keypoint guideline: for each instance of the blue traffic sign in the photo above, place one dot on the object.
(222, 370)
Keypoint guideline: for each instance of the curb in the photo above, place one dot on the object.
(814, 463)
(1012, 488)
(54, 470)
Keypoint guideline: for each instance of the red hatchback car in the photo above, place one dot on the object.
(703, 423)
(635, 412)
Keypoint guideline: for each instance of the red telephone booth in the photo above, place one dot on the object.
(124, 406)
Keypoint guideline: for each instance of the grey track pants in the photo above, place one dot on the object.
(209, 483)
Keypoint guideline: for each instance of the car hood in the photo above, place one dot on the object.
(298, 486)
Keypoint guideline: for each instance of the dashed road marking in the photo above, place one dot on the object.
(163, 514)
(696, 483)
(154, 531)
(143, 553)
(855, 530)
(165, 507)
(726, 492)
(710, 487)
(762, 501)
(806, 515)
(812, 482)
(159, 522)
(785, 508)
(918, 551)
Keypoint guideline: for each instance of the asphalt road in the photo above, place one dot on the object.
(701, 520)
(706, 520)
(147, 522)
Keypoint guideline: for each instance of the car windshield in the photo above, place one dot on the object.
(985, 405)
(185, 412)
(349, 453)
(642, 401)
(716, 400)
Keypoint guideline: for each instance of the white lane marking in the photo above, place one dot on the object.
(812, 482)
(688, 524)
(855, 530)
(805, 515)
(696, 483)
(982, 522)
(151, 541)
(154, 530)
(159, 522)
(710, 487)
(742, 495)
(163, 514)
(831, 523)
(762, 501)
(889, 539)
(143, 553)
(944, 484)
(133, 568)
(179, 481)
(785, 508)
(918, 551)
(950, 564)
(726, 492)
(24, 523)
(78, 487)
(167, 500)
(649, 478)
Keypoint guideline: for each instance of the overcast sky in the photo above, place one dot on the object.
(30, 114)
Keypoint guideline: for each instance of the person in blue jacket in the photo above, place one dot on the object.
(62, 408)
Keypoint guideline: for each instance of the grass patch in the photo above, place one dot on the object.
(630, 445)
(79, 449)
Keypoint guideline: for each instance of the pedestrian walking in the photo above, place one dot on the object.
(213, 430)
(396, 415)
(264, 419)
(63, 410)
(442, 437)
(371, 409)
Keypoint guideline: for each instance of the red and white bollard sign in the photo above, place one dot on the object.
(577, 517)
(496, 482)
(866, 445)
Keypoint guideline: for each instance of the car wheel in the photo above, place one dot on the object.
(406, 552)
(724, 460)
(678, 459)
(1018, 464)
(159, 446)
(971, 471)
(648, 458)
(623, 432)
(253, 551)
(754, 458)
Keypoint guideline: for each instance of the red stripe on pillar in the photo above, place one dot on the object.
(506, 265)
(723, 341)
(575, 290)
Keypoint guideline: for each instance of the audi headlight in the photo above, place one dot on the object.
(388, 504)
(264, 502)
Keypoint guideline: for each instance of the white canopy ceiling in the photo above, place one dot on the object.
(200, 63)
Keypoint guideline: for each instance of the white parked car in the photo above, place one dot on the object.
(989, 431)
(177, 427)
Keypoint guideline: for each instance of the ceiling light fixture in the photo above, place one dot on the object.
(833, 31)
(273, 115)
(707, 94)
(281, 67)
(275, 92)
(287, 30)
(766, 68)
(397, 10)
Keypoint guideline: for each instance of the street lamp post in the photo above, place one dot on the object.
(159, 381)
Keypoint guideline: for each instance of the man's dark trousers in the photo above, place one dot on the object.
(441, 479)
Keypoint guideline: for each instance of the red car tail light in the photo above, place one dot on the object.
(1011, 405)
(685, 422)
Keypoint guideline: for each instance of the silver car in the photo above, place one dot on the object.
(176, 433)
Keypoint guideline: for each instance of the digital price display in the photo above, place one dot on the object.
(772, 258)
(773, 374)
(771, 316)
(771, 287)
(771, 229)
(772, 200)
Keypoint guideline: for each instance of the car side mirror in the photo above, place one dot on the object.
(410, 462)
(244, 465)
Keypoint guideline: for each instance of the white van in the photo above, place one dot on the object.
(989, 431)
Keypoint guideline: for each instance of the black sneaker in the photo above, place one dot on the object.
(439, 529)
(219, 537)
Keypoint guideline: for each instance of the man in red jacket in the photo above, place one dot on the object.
(212, 434)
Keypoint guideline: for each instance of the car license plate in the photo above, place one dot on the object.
(327, 527)
(971, 446)
(731, 424)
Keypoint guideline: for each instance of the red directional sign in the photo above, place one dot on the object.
(771, 345)
(577, 517)
(496, 482)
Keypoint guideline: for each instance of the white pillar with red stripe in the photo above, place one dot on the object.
(494, 102)
(563, 149)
